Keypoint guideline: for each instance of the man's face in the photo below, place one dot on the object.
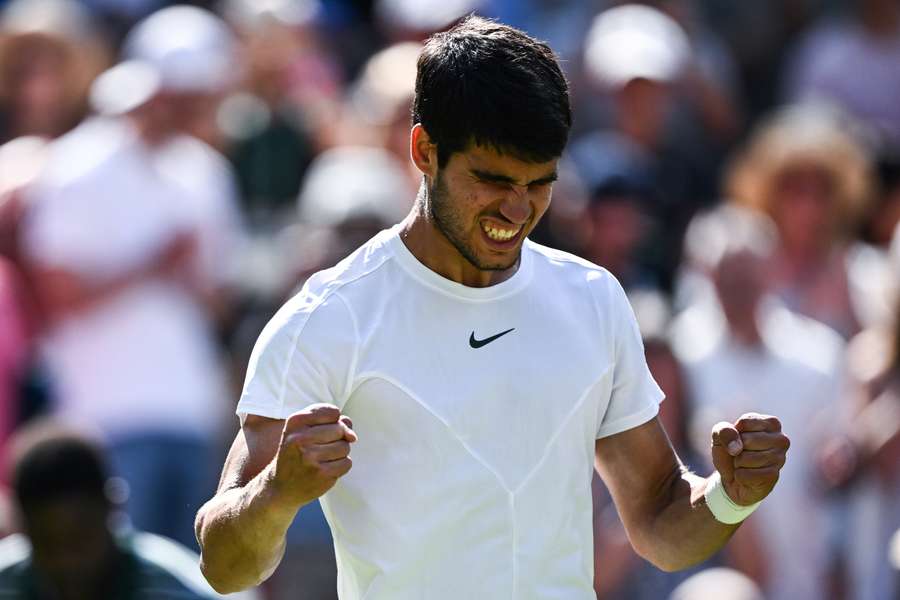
(72, 545)
(486, 203)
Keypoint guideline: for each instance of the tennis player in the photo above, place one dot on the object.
(478, 377)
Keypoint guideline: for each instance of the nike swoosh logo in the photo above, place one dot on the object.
(479, 343)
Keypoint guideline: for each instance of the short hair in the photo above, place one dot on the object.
(50, 463)
(492, 85)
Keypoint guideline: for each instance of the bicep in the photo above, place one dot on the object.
(638, 467)
(254, 447)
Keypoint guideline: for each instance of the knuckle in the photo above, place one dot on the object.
(324, 410)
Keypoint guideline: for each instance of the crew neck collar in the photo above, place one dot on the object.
(426, 276)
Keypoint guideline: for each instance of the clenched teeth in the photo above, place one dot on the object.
(500, 235)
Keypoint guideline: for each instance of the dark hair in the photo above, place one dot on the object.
(492, 85)
(51, 463)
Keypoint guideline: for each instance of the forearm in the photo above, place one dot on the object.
(683, 531)
(241, 532)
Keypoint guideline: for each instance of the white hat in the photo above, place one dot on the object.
(635, 42)
(354, 181)
(250, 14)
(179, 49)
(191, 48)
(422, 15)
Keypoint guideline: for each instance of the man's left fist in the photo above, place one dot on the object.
(749, 454)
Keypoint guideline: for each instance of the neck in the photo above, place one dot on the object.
(430, 246)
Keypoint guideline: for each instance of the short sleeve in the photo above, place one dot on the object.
(635, 395)
(304, 355)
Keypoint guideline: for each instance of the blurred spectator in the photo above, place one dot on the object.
(710, 86)
(884, 217)
(49, 54)
(852, 61)
(13, 351)
(759, 35)
(562, 23)
(380, 102)
(803, 169)
(619, 573)
(71, 547)
(863, 461)
(350, 194)
(639, 58)
(403, 20)
(618, 228)
(716, 583)
(754, 356)
(287, 105)
(131, 231)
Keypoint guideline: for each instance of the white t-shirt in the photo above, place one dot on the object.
(472, 474)
(144, 359)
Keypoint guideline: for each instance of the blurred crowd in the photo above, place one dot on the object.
(170, 174)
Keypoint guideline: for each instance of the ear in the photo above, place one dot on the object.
(423, 151)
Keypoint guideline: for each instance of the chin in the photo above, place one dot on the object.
(494, 264)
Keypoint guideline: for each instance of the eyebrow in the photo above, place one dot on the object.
(498, 178)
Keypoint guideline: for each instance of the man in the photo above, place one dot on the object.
(129, 234)
(70, 549)
(482, 372)
(750, 352)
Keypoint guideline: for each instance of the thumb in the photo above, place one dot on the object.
(349, 434)
(726, 444)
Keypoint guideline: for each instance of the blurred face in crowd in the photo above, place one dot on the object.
(740, 283)
(803, 208)
(643, 109)
(37, 80)
(617, 227)
(170, 113)
(73, 548)
(485, 203)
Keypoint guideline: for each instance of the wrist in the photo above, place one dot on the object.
(280, 499)
(723, 508)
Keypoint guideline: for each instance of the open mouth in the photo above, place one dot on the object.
(499, 233)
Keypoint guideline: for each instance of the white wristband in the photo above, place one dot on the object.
(721, 506)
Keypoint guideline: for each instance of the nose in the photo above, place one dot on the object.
(515, 206)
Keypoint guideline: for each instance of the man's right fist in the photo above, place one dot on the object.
(313, 453)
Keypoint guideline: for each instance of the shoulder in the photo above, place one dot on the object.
(561, 260)
(84, 151)
(554, 264)
(323, 296)
(15, 555)
(195, 156)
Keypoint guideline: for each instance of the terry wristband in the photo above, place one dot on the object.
(721, 506)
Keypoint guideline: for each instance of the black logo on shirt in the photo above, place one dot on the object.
(479, 343)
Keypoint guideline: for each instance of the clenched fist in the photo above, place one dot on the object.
(313, 454)
(749, 454)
